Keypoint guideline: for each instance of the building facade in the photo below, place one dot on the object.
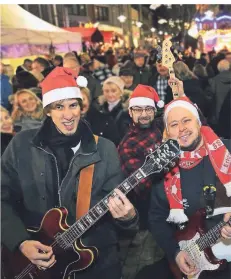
(104, 17)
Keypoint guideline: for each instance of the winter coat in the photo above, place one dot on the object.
(119, 114)
(141, 75)
(219, 87)
(26, 122)
(6, 91)
(102, 124)
(5, 139)
(192, 182)
(224, 121)
(30, 178)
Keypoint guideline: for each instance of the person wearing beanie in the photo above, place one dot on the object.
(113, 104)
(126, 74)
(205, 160)
(143, 135)
(142, 75)
(42, 169)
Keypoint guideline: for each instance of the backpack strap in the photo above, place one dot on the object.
(84, 189)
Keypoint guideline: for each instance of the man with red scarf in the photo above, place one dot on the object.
(204, 160)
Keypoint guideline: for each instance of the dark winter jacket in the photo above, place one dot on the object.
(224, 121)
(192, 183)
(120, 116)
(219, 87)
(141, 75)
(30, 175)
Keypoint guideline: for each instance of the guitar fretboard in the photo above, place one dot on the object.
(211, 237)
(96, 212)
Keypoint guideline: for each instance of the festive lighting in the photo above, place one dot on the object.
(154, 7)
(160, 32)
(209, 14)
(162, 21)
(153, 29)
(165, 33)
(139, 24)
(224, 17)
(122, 18)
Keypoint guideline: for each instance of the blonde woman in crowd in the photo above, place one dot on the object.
(6, 126)
(27, 110)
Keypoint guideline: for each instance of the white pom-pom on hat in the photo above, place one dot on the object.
(160, 103)
(81, 81)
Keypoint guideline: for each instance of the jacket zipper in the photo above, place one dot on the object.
(57, 170)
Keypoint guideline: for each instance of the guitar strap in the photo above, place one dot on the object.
(84, 189)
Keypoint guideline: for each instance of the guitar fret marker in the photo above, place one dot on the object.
(98, 208)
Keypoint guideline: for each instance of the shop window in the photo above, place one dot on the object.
(101, 13)
(79, 10)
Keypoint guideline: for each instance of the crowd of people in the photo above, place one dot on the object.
(51, 110)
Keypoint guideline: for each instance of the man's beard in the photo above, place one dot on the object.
(193, 146)
(146, 125)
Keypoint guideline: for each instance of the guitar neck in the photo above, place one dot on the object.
(175, 92)
(99, 210)
(211, 237)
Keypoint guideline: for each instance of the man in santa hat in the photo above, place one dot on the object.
(205, 161)
(142, 136)
(41, 170)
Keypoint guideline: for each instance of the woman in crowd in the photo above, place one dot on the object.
(113, 103)
(100, 123)
(6, 126)
(27, 110)
(200, 71)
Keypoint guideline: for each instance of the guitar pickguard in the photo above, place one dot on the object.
(197, 256)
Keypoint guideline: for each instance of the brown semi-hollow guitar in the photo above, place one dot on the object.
(70, 253)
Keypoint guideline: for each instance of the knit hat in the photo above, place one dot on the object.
(144, 95)
(117, 81)
(182, 102)
(62, 83)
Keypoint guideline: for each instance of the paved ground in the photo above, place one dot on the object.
(137, 253)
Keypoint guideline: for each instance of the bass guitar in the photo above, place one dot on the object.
(70, 253)
(198, 244)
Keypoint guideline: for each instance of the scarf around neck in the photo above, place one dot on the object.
(220, 159)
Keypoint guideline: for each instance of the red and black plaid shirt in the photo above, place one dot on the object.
(136, 145)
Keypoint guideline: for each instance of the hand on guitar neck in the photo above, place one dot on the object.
(226, 230)
(176, 86)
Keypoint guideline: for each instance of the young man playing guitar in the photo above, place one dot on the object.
(205, 160)
(41, 169)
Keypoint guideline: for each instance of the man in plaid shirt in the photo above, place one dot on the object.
(142, 136)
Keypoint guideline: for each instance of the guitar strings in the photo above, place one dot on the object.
(148, 168)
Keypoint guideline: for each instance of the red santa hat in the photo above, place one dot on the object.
(62, 83)
(182, 102)
(144, 95)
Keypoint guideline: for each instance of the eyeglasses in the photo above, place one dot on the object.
(138, 111)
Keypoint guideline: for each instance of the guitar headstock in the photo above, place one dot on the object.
(167, 57)
(162, 158)
(167, 60)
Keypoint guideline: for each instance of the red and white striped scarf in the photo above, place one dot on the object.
(221, 162)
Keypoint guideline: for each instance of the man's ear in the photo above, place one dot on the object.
(130, 112)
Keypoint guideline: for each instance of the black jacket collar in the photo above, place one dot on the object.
(88, 144)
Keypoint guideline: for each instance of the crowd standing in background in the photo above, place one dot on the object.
(116, 79)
